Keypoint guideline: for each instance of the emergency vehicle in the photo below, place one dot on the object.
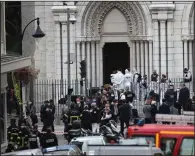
(175, 138)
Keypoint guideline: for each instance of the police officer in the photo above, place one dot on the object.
(154, 81)
(49, 139)
(170, 96)
(64, 118)
(86, 122)
(154, 76)
(34, 138)
(12, 134)
(48, 116)
(74, 112)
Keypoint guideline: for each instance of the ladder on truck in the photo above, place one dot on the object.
(177, 119)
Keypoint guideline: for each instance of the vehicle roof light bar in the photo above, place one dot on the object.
(188, 113)
(175, 118)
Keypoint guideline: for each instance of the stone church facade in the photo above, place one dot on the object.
(159, 36)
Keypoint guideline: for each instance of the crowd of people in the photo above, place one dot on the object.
(108, 103)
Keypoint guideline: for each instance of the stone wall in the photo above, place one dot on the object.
(28, 14)
(45, 50)
(47, 54)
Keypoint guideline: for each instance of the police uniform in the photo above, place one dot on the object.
(49, 140)
(33, 139)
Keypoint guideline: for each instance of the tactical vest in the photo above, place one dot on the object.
(33, 141)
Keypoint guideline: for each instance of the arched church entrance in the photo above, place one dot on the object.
(116, 55)
(113, 35)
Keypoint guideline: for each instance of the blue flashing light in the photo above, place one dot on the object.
(141, 122)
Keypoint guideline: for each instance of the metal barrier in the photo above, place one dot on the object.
(53, 89)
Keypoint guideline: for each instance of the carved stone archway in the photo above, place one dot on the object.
(96, 12)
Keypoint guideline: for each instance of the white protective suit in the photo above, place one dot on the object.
(128, 80)
(119, 80)
(115, 86)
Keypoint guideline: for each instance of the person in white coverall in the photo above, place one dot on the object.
(119, 79)
(136, 81)
(128, 80)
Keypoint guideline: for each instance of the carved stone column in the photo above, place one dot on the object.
(146, 62)
(190, 55)
(156, 47)
(101, 64)
(93, 63)
(142, 57)
(88, 65)
(57, 51)
(137, 56)
(185, 53)
(163, 46)
(150, 59)
(97, 64)
(132, 56)
(83, 50)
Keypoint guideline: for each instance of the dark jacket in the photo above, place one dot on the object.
(164, 109)
(112, 108)
(95, 115)
(48, 113)
(170, 96)
(124, 112)
(129, 96)
(49, 140)
(86, 119)
(154, 110)
(184, 95)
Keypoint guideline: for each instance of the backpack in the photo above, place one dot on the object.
(139, 77)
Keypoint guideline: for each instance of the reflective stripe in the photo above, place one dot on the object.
(157, 140)
(177, 132)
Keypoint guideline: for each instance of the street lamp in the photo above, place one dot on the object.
(38, 33)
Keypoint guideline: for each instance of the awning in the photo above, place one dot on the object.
(11, 63)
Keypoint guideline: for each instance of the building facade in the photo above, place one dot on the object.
(9, 63)
(108, 35)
